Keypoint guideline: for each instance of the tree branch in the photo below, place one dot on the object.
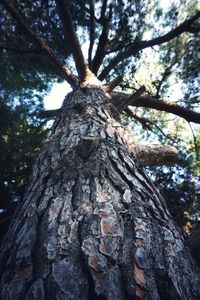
(165, 75)
(103, 10)
(92, 33)
(66, 73)
(130, 100)
(72, 39)
(194, 29)
(178, 55)
(146, 123)
(103, 39)
(141, 120)
(150, 102)
(135, 47)
(21, 51)
(189, 115)
(156, 155)
(52, 113)
(196, 145)
(114, 83)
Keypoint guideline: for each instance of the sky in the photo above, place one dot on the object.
(56, 96)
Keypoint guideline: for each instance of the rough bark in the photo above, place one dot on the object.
(92, 225)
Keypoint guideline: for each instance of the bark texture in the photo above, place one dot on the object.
(92, 225)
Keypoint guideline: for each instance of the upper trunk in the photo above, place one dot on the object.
(92, 225)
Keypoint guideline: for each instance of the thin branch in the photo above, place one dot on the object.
(103, 39)
(141, 120)
(165, 74)
(115, 48)
(5, 219)
(145, 123)
(72, 39)
(196, 147)
(120, 40)
(21, 51)
(92, 33)
(135, 47)
(130, 100)
(66, 73)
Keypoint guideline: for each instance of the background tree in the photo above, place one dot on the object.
(117, 34)
(20, 140)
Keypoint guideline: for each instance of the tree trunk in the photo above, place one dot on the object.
(92, 225)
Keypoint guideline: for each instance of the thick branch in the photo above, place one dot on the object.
(194, 29)
(156, 155)
(66, 73)
(135, 47)
(147, 101)
(150, 102)
(72, 39)
(92, 33)
(131, 100)
(114, 83)
(103, 10)
(101, 49)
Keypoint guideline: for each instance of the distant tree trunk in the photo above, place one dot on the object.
(92, 225)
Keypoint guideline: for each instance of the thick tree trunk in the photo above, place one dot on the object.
(92, 225)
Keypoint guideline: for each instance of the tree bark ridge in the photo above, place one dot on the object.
(92, 225)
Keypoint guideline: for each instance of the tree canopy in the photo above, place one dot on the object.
(136, 49)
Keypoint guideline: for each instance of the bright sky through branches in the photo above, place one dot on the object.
(56, 96)
(59, 90)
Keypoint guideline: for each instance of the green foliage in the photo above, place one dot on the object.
(181, 189)
(20, 141)
(24, 66)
